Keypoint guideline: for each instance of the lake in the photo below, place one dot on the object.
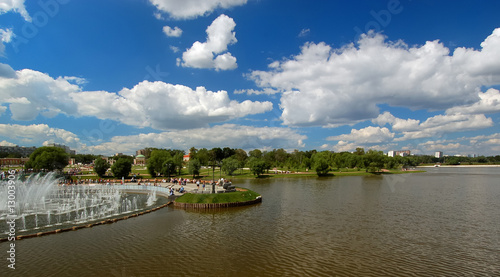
(440, 223)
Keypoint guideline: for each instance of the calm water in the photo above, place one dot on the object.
(445, 222)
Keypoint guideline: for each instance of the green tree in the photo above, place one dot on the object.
(168, 167)
(229, 165)
(194, 167)
(121, 168)
(178, 160)
(48, 158)
(157, 161)
(375, 160)
(257, 166)
(203, 156)
(256, 153)
(242, 157)
(321, 163)
(100, 167)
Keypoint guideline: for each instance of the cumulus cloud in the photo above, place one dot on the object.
(6, 143)
(489, 102)
(210, 54)
(187, 9)
(366, 135)
(172, 32)
(30, 93)
(397, 124)
(165, 106)
(328, 87)
(14, 6)
(230, 135)
(443, 124)
(38, 134)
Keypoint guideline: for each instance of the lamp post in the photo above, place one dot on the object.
(168, 171)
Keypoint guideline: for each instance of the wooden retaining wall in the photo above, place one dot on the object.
(203, 206)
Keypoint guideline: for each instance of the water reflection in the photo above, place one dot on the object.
(436, 223)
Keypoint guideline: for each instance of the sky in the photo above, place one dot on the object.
(105, 77)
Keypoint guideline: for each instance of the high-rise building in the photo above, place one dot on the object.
(23, 151)
(438, 154)
(64, 147)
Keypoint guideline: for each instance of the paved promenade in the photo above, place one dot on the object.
(189, 187)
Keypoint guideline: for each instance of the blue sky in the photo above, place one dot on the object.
(116, 76)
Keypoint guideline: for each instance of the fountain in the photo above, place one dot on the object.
(42, 204)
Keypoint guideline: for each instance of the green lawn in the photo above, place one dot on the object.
(230, 197)
(207, 174)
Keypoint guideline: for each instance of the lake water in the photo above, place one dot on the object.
(445, 222)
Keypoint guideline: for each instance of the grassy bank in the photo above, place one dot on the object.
(230, 197)
(208, 174)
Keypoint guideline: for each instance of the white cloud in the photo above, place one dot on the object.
(186, 9)
(172, 32)
(174, 49)
(444, 124)
(267, 91)
(219, 35)
(15, 6)
(29, 93)
(165, 106)
(397, 124)
(366, 135)
(5, 37)
(40, 94)
(6, 143)
(489, 102)
(328, 87)
(304, 32)
(230, 135)
(38, 134)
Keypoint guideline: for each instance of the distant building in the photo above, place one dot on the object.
(438, 154)
(402, 153)
(109, 160)
(23, 151)
(64, 147)
(185, 158)
(140, 160)
(141, 152)
(13, 161)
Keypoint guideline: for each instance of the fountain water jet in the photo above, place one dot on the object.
(41, 203)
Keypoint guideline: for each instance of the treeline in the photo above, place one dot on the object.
(230, 160)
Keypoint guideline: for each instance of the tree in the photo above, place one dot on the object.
(257, 166)
(84, 158)
(229, 165)
(48, 158)
(157, 161)
(227, 152)
(178, 159)
(121, 168)
(359, 151)
(375, 160)
(242, 157)
(321, 163)
(194, 167)
(100, 167)
(256, 153)
(203, 156)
